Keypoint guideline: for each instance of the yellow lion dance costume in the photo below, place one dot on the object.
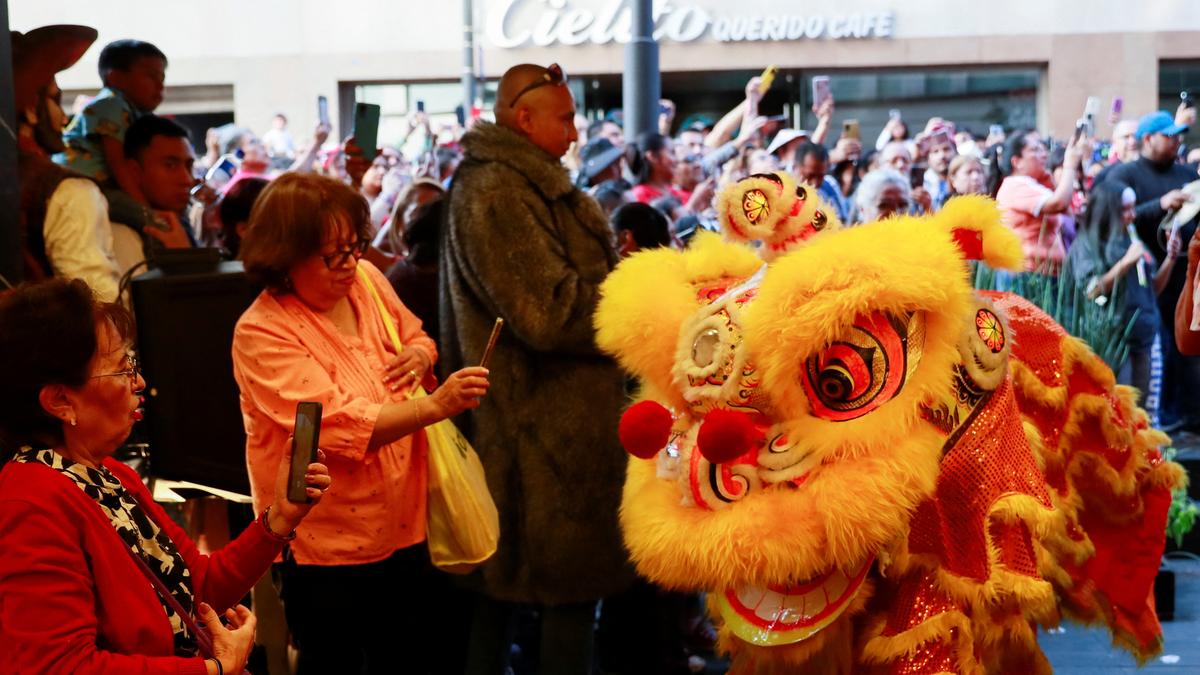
(866, 464)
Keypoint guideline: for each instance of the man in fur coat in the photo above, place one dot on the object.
(523, 244)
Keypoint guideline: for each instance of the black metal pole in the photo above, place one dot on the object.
(468, 73)
(10, 234)
(640, 83)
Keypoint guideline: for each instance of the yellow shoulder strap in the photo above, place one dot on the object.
(388, 324)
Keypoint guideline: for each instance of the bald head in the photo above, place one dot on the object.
(1124, 140)
(529, 102)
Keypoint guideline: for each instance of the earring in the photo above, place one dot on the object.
(72, 420)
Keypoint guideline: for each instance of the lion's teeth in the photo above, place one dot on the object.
(770, 607)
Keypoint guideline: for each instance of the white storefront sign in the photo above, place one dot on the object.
(541, 23)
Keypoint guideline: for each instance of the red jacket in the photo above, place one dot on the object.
(72, 600)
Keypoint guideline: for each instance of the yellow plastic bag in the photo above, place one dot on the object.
(462, 524)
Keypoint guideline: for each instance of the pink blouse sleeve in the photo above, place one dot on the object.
(275, 371)
(1025, 196)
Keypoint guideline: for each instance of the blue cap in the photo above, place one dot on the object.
(1160, 122)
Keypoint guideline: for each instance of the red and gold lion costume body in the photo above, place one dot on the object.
(866, 464)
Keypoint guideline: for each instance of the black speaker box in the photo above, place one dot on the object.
(185, 331)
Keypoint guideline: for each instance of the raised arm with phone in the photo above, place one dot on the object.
(318, 335)
(822, 107)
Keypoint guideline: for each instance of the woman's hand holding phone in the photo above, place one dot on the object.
(461, 391)
(286, 515)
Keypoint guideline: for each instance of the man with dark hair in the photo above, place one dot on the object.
(523, 244)
(159, 157)
(607, 129)
(812, 163)
(611, 194)
(639, 226)
(1157, 180)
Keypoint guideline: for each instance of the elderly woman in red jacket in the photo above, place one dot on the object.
(94, 577)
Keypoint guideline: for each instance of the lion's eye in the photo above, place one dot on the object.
(704, 349)
(866, 369)
(801, 193)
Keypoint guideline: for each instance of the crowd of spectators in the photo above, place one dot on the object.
(1111, 215)
(1041, 184)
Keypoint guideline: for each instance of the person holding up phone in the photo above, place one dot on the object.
(358, 588)
(895, 130)
(1033, 206)
(94, 576)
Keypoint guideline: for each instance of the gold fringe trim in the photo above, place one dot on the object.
(951, 627)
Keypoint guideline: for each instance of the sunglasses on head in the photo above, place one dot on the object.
(554, 76)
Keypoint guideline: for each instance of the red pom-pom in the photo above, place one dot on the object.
(645, 429)
(726, 435)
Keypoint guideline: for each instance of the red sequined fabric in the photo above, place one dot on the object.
(916, 601)
(1121, 517)
(990, 460)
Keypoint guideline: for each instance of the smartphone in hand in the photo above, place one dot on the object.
(366, 128)
(820, 91)
(305, 438)
(767, 79)
(323, 110)
(1090, 111)
(491, 343)
(850, 130)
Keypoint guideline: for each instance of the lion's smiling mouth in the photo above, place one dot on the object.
(779, 615)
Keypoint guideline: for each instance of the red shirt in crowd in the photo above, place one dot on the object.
(645, 194)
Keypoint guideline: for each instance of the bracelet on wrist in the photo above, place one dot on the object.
(220, 668)
(271, 533)
(417, 410)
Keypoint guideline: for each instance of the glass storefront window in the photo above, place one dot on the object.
(973, 99)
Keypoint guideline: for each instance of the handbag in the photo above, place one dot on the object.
(462, 524)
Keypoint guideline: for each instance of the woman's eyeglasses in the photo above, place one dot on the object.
(131, 371)
(342, 256)
(554, 76)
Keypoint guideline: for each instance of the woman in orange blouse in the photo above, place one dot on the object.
(316, 334)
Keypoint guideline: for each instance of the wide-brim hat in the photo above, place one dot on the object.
(597, 155)
(784, 137)
(40, 54)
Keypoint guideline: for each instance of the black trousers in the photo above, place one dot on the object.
(565, 648)
(399, 615)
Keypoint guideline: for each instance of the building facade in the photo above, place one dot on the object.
(1024, 63)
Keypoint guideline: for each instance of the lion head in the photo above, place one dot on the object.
(781, 442)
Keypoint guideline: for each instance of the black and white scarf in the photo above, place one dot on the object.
(137, 530)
